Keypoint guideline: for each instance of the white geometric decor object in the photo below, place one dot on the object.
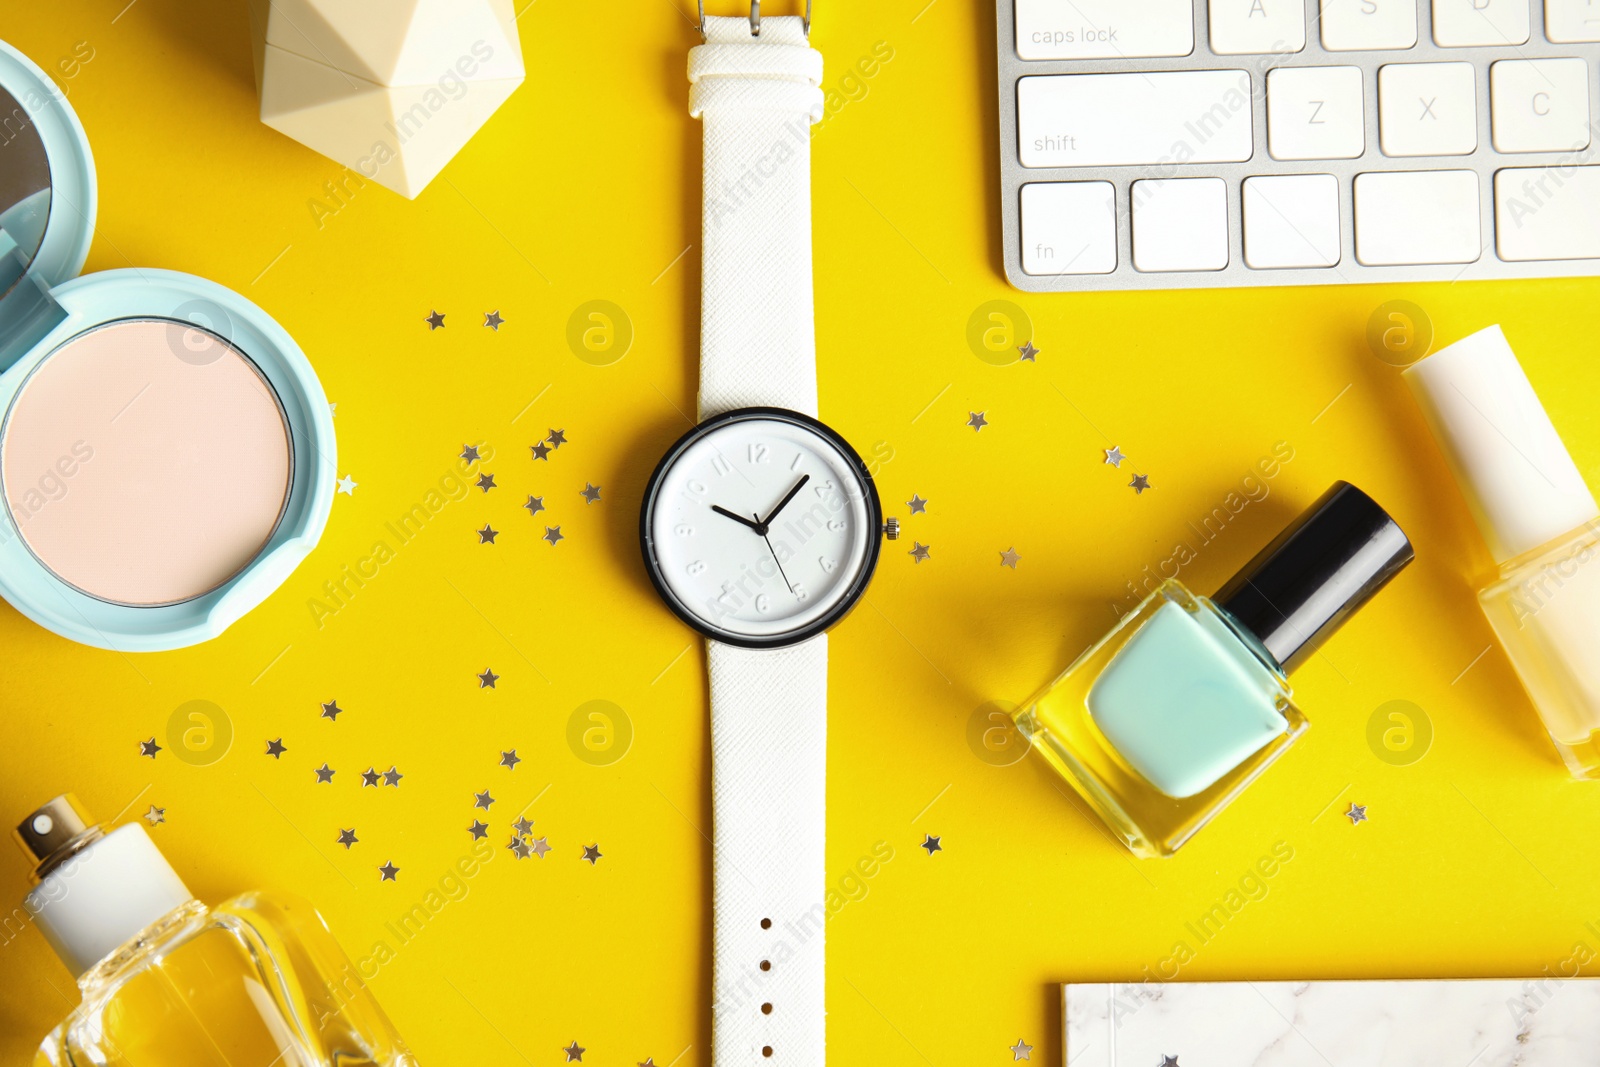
(390, 88)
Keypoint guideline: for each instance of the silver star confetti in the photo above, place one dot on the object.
(931, 843)
(541, 451)
(976, 420)
(1139, 484)
(917, 504)
(479, 829)
(485, 482)
(275, 748)
(574, 1052)
(483, 800)
(1028, 352)
(369, 777)
(540, 847)
(557, 438)
(388, 871)
(535, 504)
(1009, 558)
(487, 679)
(331, 711)
(592, 853)
(493, 321)
(1021, 1051)
(325, 774)
(520, 848)
(487, 535)
(1114, 456)
(553, 534)
(347, 485)
(1357, 813)
(155, 816)
(1169, 1061)
(392, 777)
(435, 321)
(590, 493)
(149, 748)
(920, 551)
(347, 838)
(523, 826)
(469, 453)
(509, 760)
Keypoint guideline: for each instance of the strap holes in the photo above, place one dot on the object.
(766, 1009)
(766, 1050)
(766, 924)
(766, 965)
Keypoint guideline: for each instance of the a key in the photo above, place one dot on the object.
(1368, 25)
(1086, 120)
(1069, 228)
(1104, 29)
(1466, 23)
(1544, 213)
(1258, 27)
(1539, 105)
(1427, 109)
(1412, 217)
(1315, 113)
(1572, 21)
(1180, 224)
(1291, 221)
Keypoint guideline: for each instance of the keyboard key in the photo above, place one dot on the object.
(1416, 217)
(1465, 23)
(1572, 21)
(1087, 120)
(1361, 25)
(1257, 27)
(1104, 29)
(1180, 224)
(1315, 113)
(1541, 213)
(1539, 105)
(1069, 228)
(1427, 109)
(1291, 221)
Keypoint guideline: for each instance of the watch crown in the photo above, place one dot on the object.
(891, 529)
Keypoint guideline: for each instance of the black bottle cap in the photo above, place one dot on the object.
(1316, 573)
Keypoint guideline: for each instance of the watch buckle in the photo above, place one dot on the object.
(755, 18)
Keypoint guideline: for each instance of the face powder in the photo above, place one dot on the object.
(145, 462)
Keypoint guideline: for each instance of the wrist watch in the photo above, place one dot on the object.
(760, 529)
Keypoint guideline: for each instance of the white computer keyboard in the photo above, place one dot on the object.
(1191, 143)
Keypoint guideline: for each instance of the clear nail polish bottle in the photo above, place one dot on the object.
(1167, 718)
(166, 980)
(1541, 525)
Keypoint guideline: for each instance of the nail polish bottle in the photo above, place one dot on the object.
(1167, 718)
(167, 980)
(1541, 525)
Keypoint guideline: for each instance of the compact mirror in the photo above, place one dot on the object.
(24, 188)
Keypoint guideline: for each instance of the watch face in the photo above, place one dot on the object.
(761, 527)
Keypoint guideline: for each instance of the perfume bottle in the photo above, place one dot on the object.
(1167, 718)
(255, 982)
(1541, 525)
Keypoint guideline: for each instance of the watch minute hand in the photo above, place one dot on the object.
(804, 478)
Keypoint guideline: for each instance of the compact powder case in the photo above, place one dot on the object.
(166, 451)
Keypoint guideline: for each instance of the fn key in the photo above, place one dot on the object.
(1069, 228)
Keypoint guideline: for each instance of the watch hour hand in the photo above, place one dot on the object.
(759, 527)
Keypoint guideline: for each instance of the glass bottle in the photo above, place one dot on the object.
(1166, 719)
(1541, 525)
(255, 982)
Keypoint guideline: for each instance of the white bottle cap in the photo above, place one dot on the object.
(1521, 484)
(99, 898)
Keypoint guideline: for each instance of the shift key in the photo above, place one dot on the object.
(1108, 120)
(1104, 29)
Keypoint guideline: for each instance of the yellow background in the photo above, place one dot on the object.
(1478, 860)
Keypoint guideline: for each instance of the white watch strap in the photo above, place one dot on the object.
(757, 97)
(769, 743)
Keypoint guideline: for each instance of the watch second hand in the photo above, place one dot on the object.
(775, 558)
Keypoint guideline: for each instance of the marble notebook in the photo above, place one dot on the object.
(1541, 1022)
